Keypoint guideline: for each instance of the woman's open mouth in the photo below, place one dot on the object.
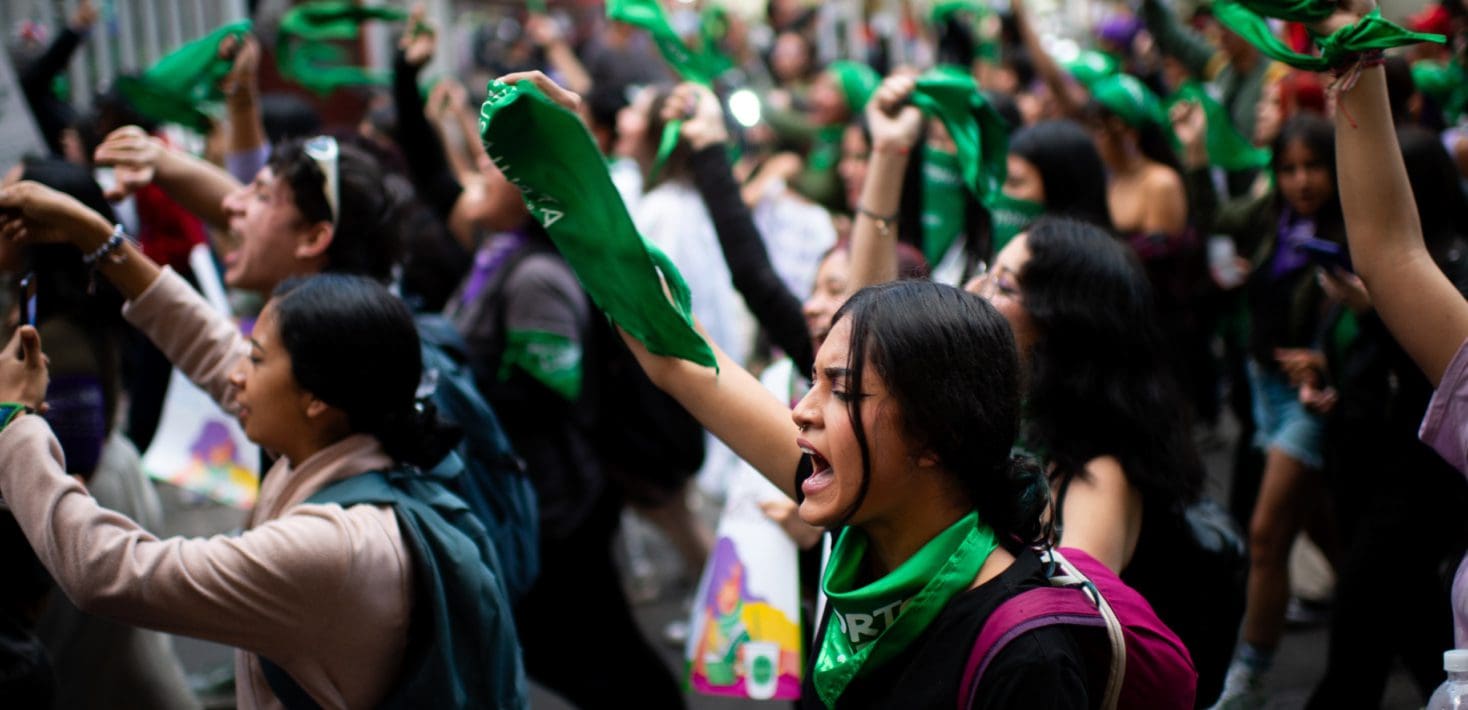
(820, 469)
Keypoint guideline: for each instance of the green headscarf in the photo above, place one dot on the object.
(980, 134)
(304, 53)
(857, 81)
(702, 66)
(184, 86)
(1227, 148)
(1130, 99)
(1091, 66)
(546, 152)
(1246, 18)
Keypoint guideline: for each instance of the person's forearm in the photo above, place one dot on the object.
(127, 269)
(874, 244)
(1175, 40)
(565, 63)
(1417, 302)
(246, 127)
(1045, 65)
(198, 185)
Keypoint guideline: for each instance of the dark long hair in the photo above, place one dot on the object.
(1099, 381)
(948, 359)
(1441, 204)
(1318, 136)
(354, 345)
(1152, 139)
(367, 238)
(1070, 169)
(978, 226)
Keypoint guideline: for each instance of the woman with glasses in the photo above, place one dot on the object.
(318, 597)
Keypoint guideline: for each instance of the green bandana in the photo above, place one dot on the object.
(943, 190)
(1130, 99)
(981, 135)
(872, 624)
(702, 66)
(1091, 66)
(1227, 148)
(857, 81)
(825, 150)
(1246, 18)
(182, 86)
(1446, 84)
(551, 358)
(304, 52)
(1011, 216)
(977, 14)
(546, 152)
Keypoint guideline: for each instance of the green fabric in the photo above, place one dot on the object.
(1246, 18)
(667, 143)
(1091, 66)
(1343, 333)
(183, 87)
(546, 152)
(1010, 217)
(857, 81)
(825, 150)
(943, 202)
(701, 66)
(981, 135)
(873, 623)
(1227, 148)
(1445, 84)
(304, 51)
(1130, 99)
(551, 358)
(977, 13)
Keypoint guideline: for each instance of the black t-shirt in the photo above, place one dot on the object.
(1044, 668)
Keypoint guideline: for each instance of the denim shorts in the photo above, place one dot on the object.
(1283, 423)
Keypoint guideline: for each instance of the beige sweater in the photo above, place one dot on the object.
(323, 592)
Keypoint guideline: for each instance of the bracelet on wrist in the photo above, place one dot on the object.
(112, 244)
(883, 222)
(10, 411)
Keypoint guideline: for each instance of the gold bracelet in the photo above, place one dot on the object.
(884, 222)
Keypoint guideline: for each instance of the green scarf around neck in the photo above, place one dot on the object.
(1247, 19)
(304, 53)
(546, 152)
(979, 133)
(873, 623)
(701, 66)
(1227, 148)
(183, 87)
(1010, 217)
(943, 202)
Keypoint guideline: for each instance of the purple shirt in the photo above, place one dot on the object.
(1445, 429)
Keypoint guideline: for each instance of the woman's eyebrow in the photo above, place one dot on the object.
(836, 373)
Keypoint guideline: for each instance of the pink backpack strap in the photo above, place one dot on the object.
(1020, 614)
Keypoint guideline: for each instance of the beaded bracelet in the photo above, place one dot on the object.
(112, 244)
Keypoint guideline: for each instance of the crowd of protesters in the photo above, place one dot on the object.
(974, 298)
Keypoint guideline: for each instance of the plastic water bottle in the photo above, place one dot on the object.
(1452, 694)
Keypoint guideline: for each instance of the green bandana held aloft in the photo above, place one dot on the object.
(1010, 217)
(980, 134)
(1246, 19)
(1091, 66)
(304, 53)
(1445, 84)
(871, 624)
(1131, 100)
(701, 67)
(857, 81)
(979, 17)
(943, 202)
(1227, 148)
(183, 86)
(545, 151)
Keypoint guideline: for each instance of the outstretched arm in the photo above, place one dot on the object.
(895, 125)
(1417, 302)
(140, 159)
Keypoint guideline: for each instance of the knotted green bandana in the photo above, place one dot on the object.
(1246, 18)
(857, 81)
(702, 66)
(545, 151)
(1130, 99)
(1010, 217)
(943, 202)
(1227, 148)
(980, 134)
(1446, 84)
(183, 86)
(1091, 66)
(872, 624)
(304, 52)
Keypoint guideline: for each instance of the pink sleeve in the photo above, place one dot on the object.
(272, 590)
(1445, 428)
(200, 342)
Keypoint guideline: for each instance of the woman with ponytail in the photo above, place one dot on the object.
(317, 597)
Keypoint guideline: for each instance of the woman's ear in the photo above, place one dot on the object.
(313, 243)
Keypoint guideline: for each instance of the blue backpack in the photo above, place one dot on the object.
(483, 469)
(462, 650)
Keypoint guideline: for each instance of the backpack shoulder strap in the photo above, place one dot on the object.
(1024, 612)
